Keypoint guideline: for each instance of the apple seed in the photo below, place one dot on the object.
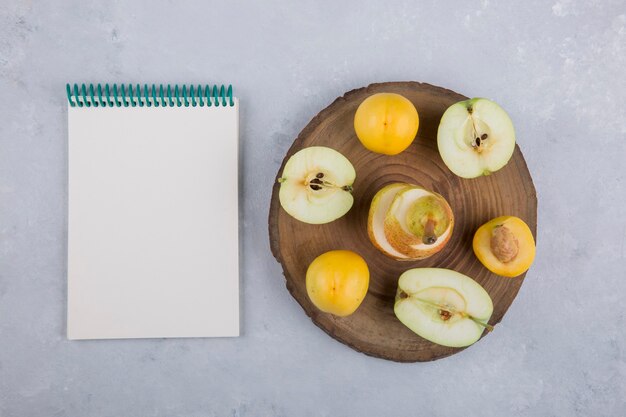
(318, 183)
(445, 315)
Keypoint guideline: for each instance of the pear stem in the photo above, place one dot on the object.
(487, 326)
(429, 237)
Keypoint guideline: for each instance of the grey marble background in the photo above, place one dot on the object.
(557, 66)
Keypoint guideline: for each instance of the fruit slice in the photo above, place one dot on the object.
(337, 282)
(376, 219)
(505, 246)
(443, 306)
(316, 185)
(419, 222)
(386, 123)
(475, 137)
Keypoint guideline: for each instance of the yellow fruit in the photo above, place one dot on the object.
(337, 282)
(505, 246)
(386, 123)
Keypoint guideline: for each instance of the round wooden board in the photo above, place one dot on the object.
(373, 329)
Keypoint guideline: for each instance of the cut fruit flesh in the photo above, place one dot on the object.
(375, 224)
(422, 218)
(509, 262)
(443, 306)
(316, 185)
(415, 209)
(475, 137)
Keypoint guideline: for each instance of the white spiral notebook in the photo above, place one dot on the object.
(153, 212)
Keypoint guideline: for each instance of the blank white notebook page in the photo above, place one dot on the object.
(153, 222)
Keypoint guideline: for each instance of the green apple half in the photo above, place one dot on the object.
(316, 185)
(408, 222)
(475, 137)
(443, 306)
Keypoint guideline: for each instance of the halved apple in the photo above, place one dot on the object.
(316, 185)
(475, 137)
(443, 306)
(408, 222)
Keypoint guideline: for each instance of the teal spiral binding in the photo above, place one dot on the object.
(97, 95)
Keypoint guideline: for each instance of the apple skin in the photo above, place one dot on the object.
(475, 137)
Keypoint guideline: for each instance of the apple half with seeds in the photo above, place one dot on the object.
(408, 222)
(443, 306)
(316, 185)
(475, 137)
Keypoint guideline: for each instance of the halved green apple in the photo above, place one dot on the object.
(316, 185)
(475, 137)
(443, 306)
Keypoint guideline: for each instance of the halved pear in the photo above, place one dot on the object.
(475, 137)
(418, 222)
(443, 306)
(376, 219)
(316, 185)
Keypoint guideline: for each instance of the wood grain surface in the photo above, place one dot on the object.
(373, 329)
